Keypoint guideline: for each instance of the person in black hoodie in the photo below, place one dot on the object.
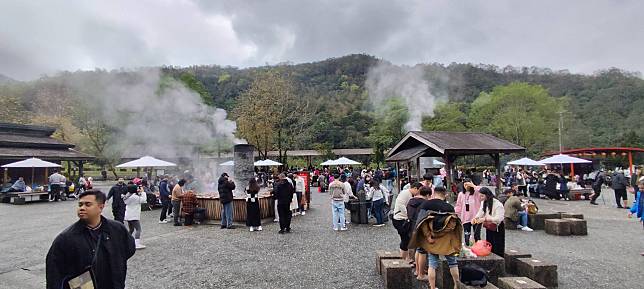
(283, 193)
(225, 188)
(413, 206)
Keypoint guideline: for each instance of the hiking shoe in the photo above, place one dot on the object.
(252, 229)
(519, 227)
(259, 228)
(335, 229)
(303, 213)
(593, 203)
(379, 225)
(527, 229)
(344, 229)
(163, 222)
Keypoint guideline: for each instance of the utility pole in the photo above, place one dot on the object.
(560, 128)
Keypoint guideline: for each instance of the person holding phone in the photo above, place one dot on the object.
(468, 204)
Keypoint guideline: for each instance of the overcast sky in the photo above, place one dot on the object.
(43, 37)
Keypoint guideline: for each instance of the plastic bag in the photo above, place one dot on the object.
(482, 248)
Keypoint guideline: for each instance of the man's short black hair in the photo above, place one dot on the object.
(508, 191)
(440, 190)
(182, 182)
(100, 196)
(428, 177)
(416, 185)
(336, 176)
(425, 191)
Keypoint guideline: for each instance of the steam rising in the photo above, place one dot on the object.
(385, 81)
(152, 115)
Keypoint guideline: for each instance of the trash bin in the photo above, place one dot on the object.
(359, 211)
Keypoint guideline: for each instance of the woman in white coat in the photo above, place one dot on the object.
(133, 200)
(491, 216)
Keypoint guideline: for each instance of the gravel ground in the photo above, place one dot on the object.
(313, 256)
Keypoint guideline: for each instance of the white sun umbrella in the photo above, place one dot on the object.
(145, 162)
(345, 161)
(267, 163)
(525, 162)
(564, 159)
(32, 163)
(228, 163)
(328, 163)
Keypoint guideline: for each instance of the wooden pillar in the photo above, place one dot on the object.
(449, 178)
(572, 171)
(418, 174)
(80, 167)
(398, 188)
(630, 163)
(497, 166)
(5, 175)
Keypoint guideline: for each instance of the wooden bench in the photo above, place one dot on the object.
(580, 194)
(559, 227)
(537, 221)
(493, 264)
(396, 274)
(511, 257)
(572, 215)
(463, 286)
(578, 227)
(22, 198)
(540, 271)
(384, 255)
(518, 283)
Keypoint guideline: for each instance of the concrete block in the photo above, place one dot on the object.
(396, 274)
(519, 283)
(537, 221)
(557, 227)
(511, 257)
(382, 255)
(509, 224)
(493, 264)
(538, 270)
(18, 201)
(488, 286)
(578, 227)
(572, 215)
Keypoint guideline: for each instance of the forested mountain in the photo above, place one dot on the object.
(601, 109)
(604, 109)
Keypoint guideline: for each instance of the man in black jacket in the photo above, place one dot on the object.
(284, 195)
(118, 205)
(92, 243)
(225, 188)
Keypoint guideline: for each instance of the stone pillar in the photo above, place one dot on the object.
(244, 169)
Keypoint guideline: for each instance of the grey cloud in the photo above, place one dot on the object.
(582, 36)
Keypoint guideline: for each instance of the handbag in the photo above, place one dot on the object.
(491, 226)
(86, 279)
(482, 248)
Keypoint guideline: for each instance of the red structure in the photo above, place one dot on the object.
(603, 152)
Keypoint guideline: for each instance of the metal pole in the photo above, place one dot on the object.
(560, 126)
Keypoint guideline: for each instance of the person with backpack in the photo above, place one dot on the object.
(491, 215)
(338, 191)
(600, 179)
(445, 235)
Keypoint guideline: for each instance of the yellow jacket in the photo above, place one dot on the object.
(445, 240)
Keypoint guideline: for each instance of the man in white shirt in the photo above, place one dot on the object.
(56, 184)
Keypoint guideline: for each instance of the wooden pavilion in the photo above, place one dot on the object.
(449, 146)
(19, 142)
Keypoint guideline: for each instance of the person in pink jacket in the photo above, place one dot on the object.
(467, 205)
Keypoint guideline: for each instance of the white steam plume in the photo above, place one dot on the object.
(385, 81)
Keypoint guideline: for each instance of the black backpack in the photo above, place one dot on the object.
(473, 275)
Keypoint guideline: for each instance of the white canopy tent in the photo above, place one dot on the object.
(345, 161)
(564, 159)
(328, 163)
(228, 163)
(267, 162)
(438, 163)
(525, 162)
(146, 162)
(32, 163)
